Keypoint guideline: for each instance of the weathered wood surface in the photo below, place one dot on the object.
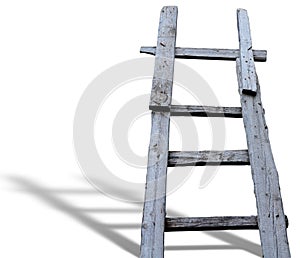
(152, 231)
(152, 242)
(206, 111)
(212, 223)
(162, 84)
(271, 218)
(246, 58)
(209, 53)
(208, 158)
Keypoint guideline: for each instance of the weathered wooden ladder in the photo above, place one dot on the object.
(271, 220)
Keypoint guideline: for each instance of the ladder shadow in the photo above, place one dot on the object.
(109, 230)
(234, 243)
(104, 229)
(237, 242)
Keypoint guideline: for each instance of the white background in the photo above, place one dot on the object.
(52, 50)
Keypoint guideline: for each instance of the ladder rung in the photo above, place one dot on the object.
(212, 223)
(209, 53)
(206, 111)
(211, 158)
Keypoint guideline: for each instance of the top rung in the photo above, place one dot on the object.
(209, 53)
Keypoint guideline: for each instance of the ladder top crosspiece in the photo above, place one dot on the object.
(270, 220)
(209, 53)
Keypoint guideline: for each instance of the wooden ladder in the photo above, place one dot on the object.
(271, 220)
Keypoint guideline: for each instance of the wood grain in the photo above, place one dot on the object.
(209, 53)
(152, 232)
(161, 93)
(271, 218)
(211, 223)
(246, 58)
(208, 158)
(206, 111)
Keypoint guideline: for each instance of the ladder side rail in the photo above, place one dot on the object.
(153, 224)
(271, 217)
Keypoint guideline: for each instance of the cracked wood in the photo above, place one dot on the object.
(206, 111)
(246, 58)
(209, 53)
(271, 218)
(152, 238)
(205, 158)
(162, 83)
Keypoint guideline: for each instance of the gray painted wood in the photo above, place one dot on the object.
(161, 93)
(152, 231)
(206, 111)
(210, 223)
(209, 53)
(208, 158)
(271, 218)
(246, 54)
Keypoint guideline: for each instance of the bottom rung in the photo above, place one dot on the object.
(211, 223)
